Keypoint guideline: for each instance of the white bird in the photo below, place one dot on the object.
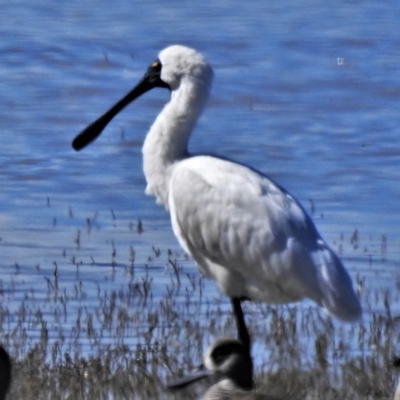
(230, 363)
(242, 229)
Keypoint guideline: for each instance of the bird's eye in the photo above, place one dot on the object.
(220, 355)
(156, 66)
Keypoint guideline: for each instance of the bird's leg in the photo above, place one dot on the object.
(243, 333)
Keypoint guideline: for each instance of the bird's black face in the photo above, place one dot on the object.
(152, 76)
(222, 353)
(151, 80)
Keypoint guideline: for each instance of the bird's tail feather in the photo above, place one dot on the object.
(338, 297)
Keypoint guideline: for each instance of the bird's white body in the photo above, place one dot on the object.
(243, 230)
(246, 232)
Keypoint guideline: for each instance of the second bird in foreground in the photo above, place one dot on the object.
(242, 229)
(230, 363)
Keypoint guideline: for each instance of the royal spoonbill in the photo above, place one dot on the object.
(242, 229)
(229, 362)
(5, 373)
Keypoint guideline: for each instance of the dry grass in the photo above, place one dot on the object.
(132, 339)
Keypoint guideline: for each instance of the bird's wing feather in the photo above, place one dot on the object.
(234, 216)
(226, 215)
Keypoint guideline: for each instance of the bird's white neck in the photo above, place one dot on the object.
(166, 142)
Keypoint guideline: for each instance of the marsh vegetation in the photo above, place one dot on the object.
(151, 319)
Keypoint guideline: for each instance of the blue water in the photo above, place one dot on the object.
(307, 92)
